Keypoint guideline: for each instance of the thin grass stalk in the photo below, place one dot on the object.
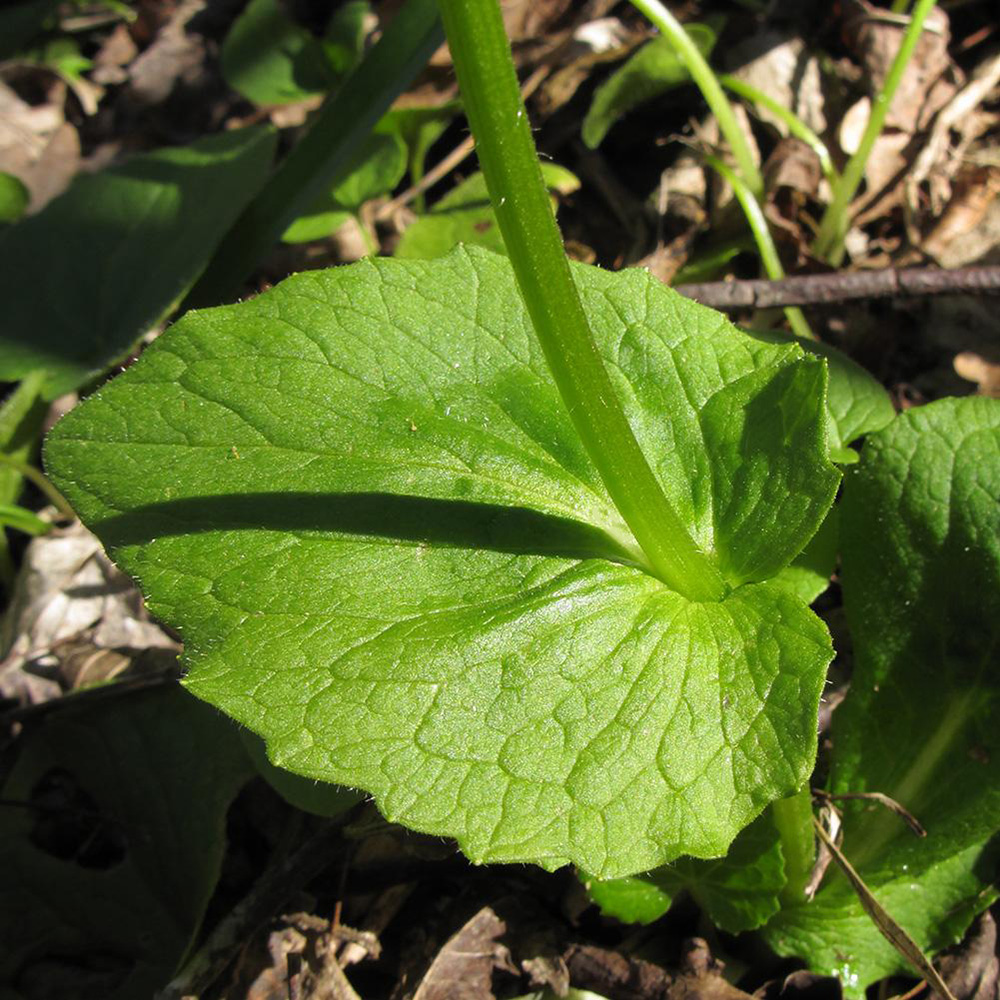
(708, 84)
(762, 237)
(835, 222)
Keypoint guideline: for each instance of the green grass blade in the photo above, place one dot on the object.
(709, 86)
(835, 222)
(762, 237)
(796, 126)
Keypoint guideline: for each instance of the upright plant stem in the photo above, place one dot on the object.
(833, 227)
(507, 155)
(793, 818)
(708, 84)
(762, 237)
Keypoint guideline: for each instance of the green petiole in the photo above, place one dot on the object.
(507, 155)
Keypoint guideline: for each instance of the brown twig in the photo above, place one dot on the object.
(882, 799)
(827, 289)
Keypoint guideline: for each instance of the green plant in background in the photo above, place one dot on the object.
(465, 215)
(506, 488)
(270, 59)
(836, 219)
(650, 72)
(14, 199)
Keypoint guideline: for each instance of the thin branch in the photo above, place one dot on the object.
(829, 289)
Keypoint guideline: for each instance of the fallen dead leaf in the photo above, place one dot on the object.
(792, 164)
(463, 968)
(972, 969)
(70, 606)
(975, 368)
(176, 54)
(780, 65)
(115, 53)
(612, 974)
(875, 35)
(954, 130)
(802, 985)
(975, 192)
(37, 144)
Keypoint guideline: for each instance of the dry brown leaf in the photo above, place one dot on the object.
(795, 165)
(176, 54)
(802, 985)
(70, 604)
(975, 192)
(37, 144)
(779, 65)
(116, 52)
(528, 19)
(975, 368)
(548, 971)
(954, 130)
(972, 970)
(463, 968)
(612, 974)
(875, 36)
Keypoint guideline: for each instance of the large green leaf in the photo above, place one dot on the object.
(361, 499)
(106, 872)
(83, 279)
(921, 577)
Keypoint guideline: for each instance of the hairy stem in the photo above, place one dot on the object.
(507, 155)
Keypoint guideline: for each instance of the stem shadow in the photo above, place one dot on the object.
(446, 523)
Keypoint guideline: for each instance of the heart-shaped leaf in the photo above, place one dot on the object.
(361, 499)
